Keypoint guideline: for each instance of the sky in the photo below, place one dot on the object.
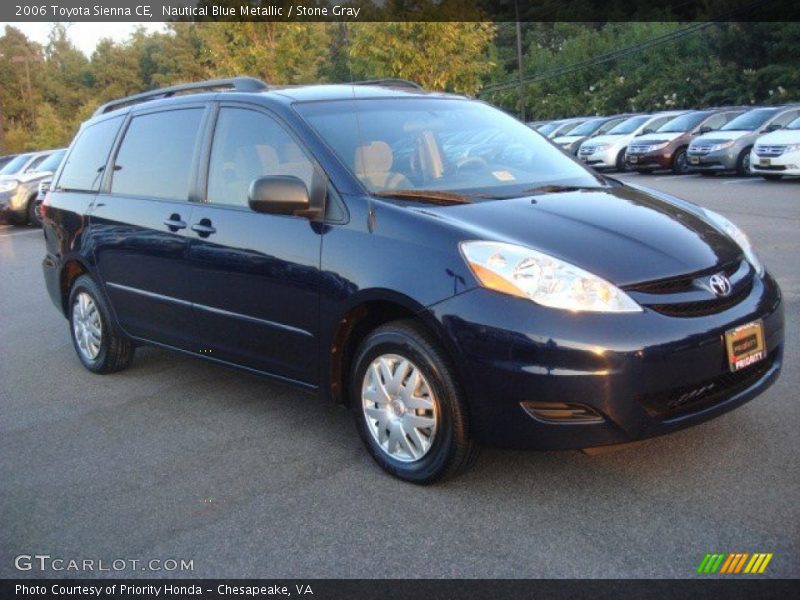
(84, 35)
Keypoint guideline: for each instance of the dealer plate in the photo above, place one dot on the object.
(633, 159)
(764, 162)
(745, 345)
(694, 160)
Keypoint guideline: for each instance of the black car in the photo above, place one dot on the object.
(452, 295)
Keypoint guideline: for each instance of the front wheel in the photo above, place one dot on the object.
(408, 407)
(680, 166)
(100, 345)
(743, 163)
(622, 166)
(35, 212)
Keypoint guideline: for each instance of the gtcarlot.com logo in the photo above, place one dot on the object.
(46, 562)
(734, 563)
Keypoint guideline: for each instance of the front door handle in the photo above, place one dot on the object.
(204, 228)
(174, 223)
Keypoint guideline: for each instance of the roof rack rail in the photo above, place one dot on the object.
(397, 83)
(238, 84)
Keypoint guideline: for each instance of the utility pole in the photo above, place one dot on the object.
(519, 63)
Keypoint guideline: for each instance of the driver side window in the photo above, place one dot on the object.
(248, 145)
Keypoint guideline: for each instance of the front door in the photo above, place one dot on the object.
(255, 276)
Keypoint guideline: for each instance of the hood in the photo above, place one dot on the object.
(605, 139)
(782, 136)
(26, 177)
(722, 136)
(567, 139)
(622, 234)
(659, 137)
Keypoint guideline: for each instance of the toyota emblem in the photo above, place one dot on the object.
(719, 284)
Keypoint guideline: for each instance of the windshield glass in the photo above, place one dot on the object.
(588, 127)
(629, 125)
(750, 120)
(567, 128)
(51, 162)
(794, 124)
(548, 127)
(15, 165)
(448, 145)
(683, 123)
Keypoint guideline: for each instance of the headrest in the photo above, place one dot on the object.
(373, 157)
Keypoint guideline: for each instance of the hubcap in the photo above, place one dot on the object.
(86, 326)
(399, 407)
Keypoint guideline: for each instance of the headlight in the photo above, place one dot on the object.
(8, 186)
(721, 146)
(738, 236)
(792, 148)
(527, 273)
(652, 147)
(601, 147)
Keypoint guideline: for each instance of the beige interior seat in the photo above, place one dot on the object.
(373, 164)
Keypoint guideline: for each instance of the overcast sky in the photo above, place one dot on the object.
(84, 35)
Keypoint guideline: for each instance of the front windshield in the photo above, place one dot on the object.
(683, 123)
(794, 124)
(567, 128)
(51, 162)
(750, 120)
(15, 165)
(548, 128)
(442, 144)
(629, 125)
(588, 127)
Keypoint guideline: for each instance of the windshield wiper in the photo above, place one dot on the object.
(432, 196)
(555, 189)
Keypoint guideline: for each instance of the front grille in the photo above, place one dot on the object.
(704, 149)
(703, 307)
(770, 150)
(687, 399)
(683, 283)
(586, 150)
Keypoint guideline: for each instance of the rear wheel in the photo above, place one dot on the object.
(407, 405)
(743, 163)
(680, 166)
(100, 345)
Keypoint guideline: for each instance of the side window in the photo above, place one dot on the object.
(35, 163)
(731, 116)
(155, 157)
(659, 122)
(717, 121)
(248, 145)
(84, 167)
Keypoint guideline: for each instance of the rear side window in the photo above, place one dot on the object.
(155, 157)
(84, 167)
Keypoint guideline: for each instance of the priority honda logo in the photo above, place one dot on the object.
(734, 563)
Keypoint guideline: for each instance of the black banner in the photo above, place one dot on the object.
(398, 10)
(391, 589)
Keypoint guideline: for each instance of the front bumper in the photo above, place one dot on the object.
(604, 159)
(510, 351)
(13, 207)
(717, 161)
(649, 161)
(787, 163)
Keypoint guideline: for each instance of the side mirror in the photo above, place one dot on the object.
(279, 195)
(705, 129)
(647, 130)
(772, 127)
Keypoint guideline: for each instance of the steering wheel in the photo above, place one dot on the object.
(473, 162)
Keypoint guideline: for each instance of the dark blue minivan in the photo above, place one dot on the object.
(424, 258)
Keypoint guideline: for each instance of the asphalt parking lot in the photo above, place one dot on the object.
(176, 458)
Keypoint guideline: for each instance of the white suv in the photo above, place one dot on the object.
(608, 151)
(778, 153)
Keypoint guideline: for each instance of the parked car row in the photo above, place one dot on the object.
(21, 178)
(730, 139)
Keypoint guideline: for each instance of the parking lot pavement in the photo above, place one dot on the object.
(177, 458)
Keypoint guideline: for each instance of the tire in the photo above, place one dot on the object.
(743, 163)
(772, 177)
(34, 217)
(622, 166)
(446, 448)
(707, 173)
(680, 165)
(114, 351)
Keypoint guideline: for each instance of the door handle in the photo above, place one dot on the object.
(204, 228)
(174, 223)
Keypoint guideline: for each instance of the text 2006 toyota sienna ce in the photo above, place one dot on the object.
(424, 258)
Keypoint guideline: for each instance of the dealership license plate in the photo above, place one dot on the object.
(745, 345)
(633, 159)
(764, 162)
(694, 160)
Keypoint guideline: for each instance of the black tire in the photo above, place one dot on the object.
(34, 216)
(452, 449)
(771, 177)
(680, 166)
(622, 166)
(115, 349)
(707, 173)
(743, 163)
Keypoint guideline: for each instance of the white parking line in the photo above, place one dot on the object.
(732, 181)
(30, 231)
